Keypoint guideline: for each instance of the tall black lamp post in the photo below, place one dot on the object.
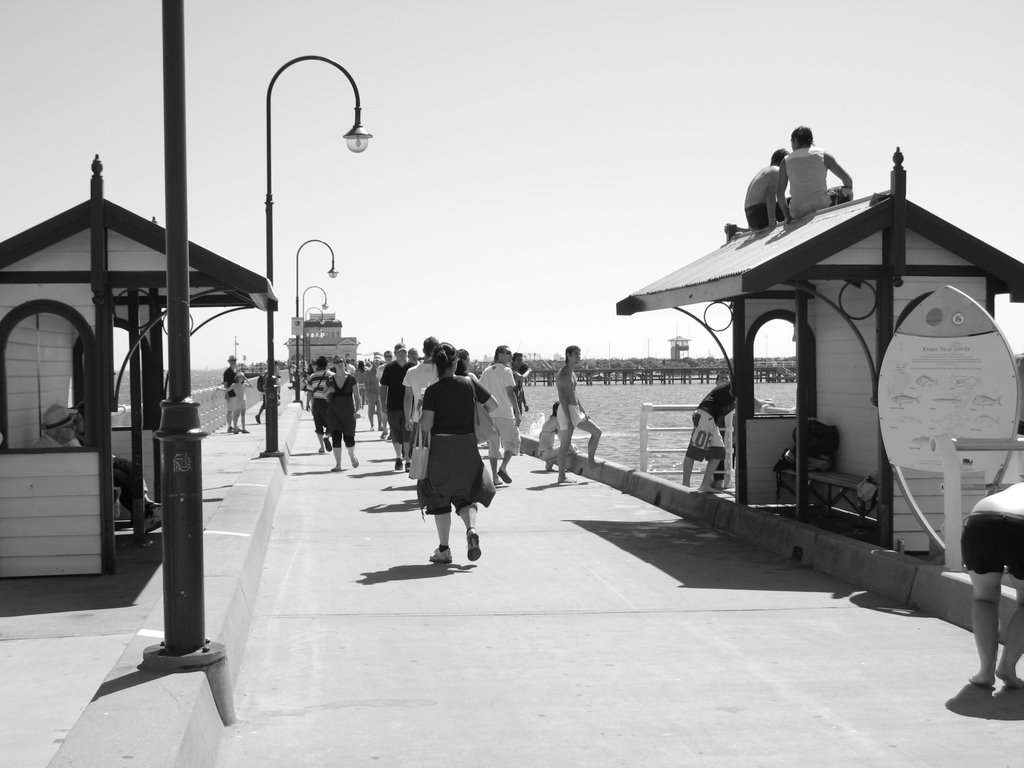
(331, 273)
(357, 140)
(305, 341)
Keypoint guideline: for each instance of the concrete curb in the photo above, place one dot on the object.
(114, 726)
(932, 589)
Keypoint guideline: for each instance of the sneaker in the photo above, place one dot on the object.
(408, 466)
(398, 464)
(473, 542)
(257, 418)
(504, 476)
(442, 557)
(321, 451)
(355, 462)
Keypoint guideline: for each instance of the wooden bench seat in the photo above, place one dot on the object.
(830, 488)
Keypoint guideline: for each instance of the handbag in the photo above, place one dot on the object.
(484, 424)
(420, 455)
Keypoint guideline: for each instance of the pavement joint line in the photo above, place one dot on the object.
(227, 533)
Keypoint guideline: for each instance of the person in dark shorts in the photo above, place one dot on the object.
(760, 205)
(993, 540)
(392, 390)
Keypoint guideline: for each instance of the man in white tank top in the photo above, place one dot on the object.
(804, 171)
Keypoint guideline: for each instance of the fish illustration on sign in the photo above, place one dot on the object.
(902, 400)
(986, 402)
(950, 346)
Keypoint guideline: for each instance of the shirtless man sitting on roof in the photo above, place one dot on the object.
(571, 414)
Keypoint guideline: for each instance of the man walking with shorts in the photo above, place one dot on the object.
(571, 414)
(497, 379)
(392, 389)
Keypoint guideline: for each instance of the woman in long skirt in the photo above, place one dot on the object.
(456, 475)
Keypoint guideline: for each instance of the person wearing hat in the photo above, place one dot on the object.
(58, 428)
(228, 381)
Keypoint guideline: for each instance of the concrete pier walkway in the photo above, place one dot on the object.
(595, 630)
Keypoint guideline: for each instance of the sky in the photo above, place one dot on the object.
(532, 163)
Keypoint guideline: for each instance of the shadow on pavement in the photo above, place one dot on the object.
(407, 572)
(700, 558)
(402, 506)
(556, 484)
(39, 595)
(987, 703)
(138, 677)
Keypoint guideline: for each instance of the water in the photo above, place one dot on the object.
(616, 409)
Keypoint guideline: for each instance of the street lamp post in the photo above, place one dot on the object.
(305, 323)
(357, 139)
(332, 273)
(305, 345)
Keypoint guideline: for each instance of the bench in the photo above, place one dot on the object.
(830, 488)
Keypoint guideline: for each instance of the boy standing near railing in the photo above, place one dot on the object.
(706, 442)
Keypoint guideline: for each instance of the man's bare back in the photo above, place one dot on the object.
(762, 187)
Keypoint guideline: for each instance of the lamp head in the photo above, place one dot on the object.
(357, 138)
(332, 272)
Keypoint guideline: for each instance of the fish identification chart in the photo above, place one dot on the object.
(948, 370)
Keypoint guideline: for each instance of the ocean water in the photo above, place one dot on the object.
(616, 409)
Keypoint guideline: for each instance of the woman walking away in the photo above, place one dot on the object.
(456, 476)
(317, 386)
(993, 538)
(341, 413)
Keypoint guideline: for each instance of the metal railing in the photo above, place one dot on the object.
(948, 448)
(648, 410)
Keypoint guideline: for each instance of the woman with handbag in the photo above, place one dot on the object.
(342, 407)
(456, 475)
(318, 385)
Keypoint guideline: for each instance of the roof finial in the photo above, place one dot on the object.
(897, 158)
(97, 167)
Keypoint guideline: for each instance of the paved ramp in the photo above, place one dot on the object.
(595, 630)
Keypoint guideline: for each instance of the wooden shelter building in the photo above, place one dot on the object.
(65, 285)
(842, 276)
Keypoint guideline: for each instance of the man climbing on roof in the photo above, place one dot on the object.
(804, 170)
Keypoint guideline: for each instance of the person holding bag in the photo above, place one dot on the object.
(342, 407)
(456, 475)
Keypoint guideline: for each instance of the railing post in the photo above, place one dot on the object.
(645, 415)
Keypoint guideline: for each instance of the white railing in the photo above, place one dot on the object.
(646, 429)
(952, 490)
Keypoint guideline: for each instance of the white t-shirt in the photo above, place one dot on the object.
(418, 378)
(495, 379)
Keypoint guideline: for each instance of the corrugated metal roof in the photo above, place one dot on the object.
(718, 275)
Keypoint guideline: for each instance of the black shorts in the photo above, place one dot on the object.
(992, 541)
(459, 502)
(757, 215)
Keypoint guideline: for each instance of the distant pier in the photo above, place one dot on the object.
(771, 373)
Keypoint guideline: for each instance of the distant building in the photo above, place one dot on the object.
(680, 348)
(322, 337)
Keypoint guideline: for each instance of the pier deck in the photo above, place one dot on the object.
(596, 629)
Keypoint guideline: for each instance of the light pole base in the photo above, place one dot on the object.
(211, 659)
